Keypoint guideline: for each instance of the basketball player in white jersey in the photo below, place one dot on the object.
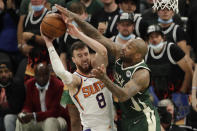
(92, 98)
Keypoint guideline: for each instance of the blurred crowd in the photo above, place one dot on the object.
(30, 88)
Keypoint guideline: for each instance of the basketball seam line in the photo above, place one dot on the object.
(53, 26)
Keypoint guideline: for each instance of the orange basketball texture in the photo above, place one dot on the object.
(53, 26)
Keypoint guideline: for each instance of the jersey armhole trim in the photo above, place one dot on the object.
(76, 94)
(174, 33)
(169, 54)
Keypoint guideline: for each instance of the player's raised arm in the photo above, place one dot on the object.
(90, 31)
(57, 65)
(101, 51)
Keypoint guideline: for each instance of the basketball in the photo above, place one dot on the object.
(53, 26)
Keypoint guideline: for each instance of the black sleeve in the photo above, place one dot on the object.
(62, 45)
(18, 99)
(97, 17)
(181, 35)
(143, 25)
(177, 20)
(176, 52)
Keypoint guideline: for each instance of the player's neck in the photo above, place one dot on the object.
(110, 7)
(83, 73)
(38, 13)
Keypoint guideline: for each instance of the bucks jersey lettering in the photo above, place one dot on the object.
(140, 101)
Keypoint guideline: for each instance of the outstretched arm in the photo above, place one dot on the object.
(66, 77)
(90, 31)
(101, 52)
(139, 82)
(194, 89)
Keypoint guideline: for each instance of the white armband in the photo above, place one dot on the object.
(194, 87)
(58, 66)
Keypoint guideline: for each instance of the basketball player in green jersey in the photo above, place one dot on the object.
(132, 78)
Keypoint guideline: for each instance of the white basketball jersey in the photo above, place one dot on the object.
(94, 102)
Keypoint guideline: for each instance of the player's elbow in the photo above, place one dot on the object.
(104, 52)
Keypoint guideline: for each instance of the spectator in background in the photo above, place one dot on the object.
(12, 95)
(25, 8)
(9, 15)
(151, 17)
(107, 15)
(125, 26)
(167, 111)
(92, 6)
(173, 32)
(33, 46)
(170, 72)
(42, 110)
(129, 6)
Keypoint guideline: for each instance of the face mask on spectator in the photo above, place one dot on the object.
(158, 47)
(165, 21)
(37, 7)
(131, 36)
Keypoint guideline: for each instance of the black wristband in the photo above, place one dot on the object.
(32, 40)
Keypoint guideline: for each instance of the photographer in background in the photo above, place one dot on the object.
(167, 112)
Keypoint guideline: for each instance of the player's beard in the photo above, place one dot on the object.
(85, 70)
(125, 59)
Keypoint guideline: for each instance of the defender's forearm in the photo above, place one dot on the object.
(115, 89)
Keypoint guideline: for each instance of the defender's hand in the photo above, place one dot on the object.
(73, 31)
(99, 72)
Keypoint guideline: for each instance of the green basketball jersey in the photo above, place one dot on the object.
(136, 104)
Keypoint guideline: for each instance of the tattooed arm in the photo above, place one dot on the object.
(139, 82)
(90, 31)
